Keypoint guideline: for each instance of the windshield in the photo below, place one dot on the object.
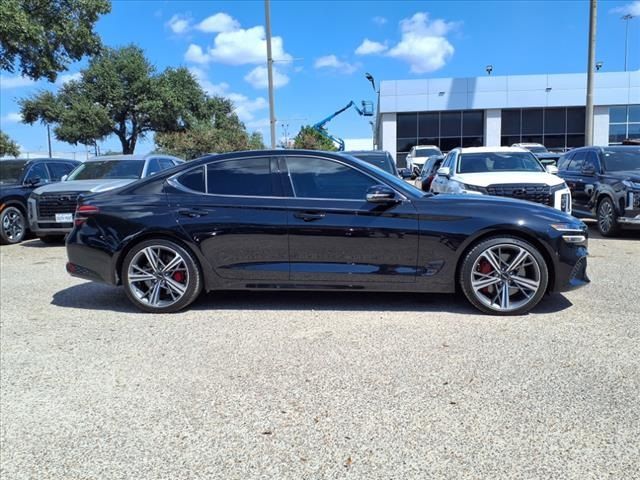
(11, 170)
(621, 160)
(427, 152)
(381, 161)
(116, 169)
(498, 162)
(538, 149)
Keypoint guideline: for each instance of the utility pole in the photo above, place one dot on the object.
(626, 19)
(49, 139)
(591, 66)
(272, 114)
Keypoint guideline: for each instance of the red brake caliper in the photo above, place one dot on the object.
(178, 276)
(486, 268)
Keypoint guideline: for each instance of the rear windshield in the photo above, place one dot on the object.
(498, 162)
(538, 149)
(621, 160)
(116, 169)
(427, 152)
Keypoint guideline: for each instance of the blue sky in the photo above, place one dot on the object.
(325, 48)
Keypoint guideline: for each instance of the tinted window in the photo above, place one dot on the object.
(407, 125)
(324, 178)
(450, 124)
(246, 177)
(618, 114)
(575, 120)
(592, 160)
(39, 170)
(555, 120)
(166, 163)
(531, 121)
(577, 161)
(634, 113)
(11, 170)
(381, 161)
(498, 161)
(59, 170)
(428, 125)
(511, 123)
(472, 123)
(426, 152)
(623, 159)
(153, 166)
(563, 162)
(108, 169)
(193, 179)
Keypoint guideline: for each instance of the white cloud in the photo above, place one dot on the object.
(632, 8)
(258, 78)
(332, 62)
(195, 54)
(179, 24)
(236, 46)
(244, 107)
(423, 45)
(220, 22)
(379, 20)
(369, 47)
(68, 77)
(12, 117)
(15, 82)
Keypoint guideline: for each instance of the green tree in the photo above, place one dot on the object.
(120, 94)
(256, 142)
(8, 146)
(219, 131)
(310, 139)
(39, 38)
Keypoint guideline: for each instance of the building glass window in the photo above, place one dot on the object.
(447, 130)
(552, 127)
(624, 123)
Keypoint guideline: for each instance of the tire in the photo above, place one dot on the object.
(152, 288)
(13, 226)
(607, 216)
(52, 239)
(483, 284)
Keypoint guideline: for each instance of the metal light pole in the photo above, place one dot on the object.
(591, 66)
(626, 19)
(49, 139)
(272, 114)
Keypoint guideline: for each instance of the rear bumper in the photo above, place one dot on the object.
(90, 261)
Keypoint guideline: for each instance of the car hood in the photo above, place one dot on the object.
(493, 178)
(93, 186)
(633, 175)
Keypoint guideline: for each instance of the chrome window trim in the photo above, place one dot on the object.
(173, 181)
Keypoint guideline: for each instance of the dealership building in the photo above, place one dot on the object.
(503, 110)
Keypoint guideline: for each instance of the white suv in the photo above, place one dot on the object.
(502, 171)
(418, 155)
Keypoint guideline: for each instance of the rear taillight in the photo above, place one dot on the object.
(83, 212)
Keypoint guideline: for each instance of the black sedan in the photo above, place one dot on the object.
(318, 221)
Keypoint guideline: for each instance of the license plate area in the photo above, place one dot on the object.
(64, 217)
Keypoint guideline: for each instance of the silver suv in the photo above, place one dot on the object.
(51, 207)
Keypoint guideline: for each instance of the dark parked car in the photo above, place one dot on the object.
(547, 157)
(428, 172)
(18, 178)
(379, 158)
(605, 184)
(296, 219)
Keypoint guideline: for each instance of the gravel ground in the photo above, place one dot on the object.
(314, 386)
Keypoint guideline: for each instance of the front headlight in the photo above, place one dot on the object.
(630, 184)
(569, 227)
(459, 187)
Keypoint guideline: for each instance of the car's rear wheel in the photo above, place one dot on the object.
(504, 276)
(160, 276)
(607, 218)
(13, 226)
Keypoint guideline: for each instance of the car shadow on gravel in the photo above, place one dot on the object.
(37, 243)
(96, 296)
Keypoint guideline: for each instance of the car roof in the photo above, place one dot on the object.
(366, 152)
(525, 144)
(419, 147)
(39, 159)
(491, 149)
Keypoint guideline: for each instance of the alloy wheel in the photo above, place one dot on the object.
(13, 225)
(505, 277)
(158, 276)
(605, 216)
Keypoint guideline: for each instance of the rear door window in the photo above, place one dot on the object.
(243, 177)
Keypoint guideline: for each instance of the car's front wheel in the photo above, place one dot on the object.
(160, 276)
(504, 276)
(607, 218)
(13, 226)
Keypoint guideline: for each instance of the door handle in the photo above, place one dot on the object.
(309, 216)
(192, 212)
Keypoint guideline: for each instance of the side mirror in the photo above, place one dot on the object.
(33, 181)
(381, 194)
(552, 169)
(64, 178)
(444, 172)
(589, 169)
(405, 173)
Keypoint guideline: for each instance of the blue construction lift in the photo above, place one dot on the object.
(365, 110)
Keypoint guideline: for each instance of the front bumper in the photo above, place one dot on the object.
(571, 263)
(45, 226)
